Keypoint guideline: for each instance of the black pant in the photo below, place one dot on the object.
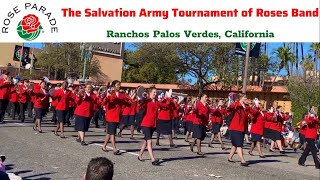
(54, 114)
(30, 108)
(3, 108)
(23, 108)
(95, 118)
(310, 147)
(14, 109)
(139, 118)
(69, 115)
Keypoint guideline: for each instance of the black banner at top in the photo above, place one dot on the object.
(241, 49)
(17, 54)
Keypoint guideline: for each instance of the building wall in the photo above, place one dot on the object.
(6, 54)
(111, 67)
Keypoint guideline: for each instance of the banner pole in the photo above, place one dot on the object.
(244, 88)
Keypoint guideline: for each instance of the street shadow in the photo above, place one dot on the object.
(154, 149)
(181, 158)
(261, 161)
(215, 153)
(36, 176)
(9, 167)
(275, 155)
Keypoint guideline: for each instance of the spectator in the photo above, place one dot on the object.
(99, 168)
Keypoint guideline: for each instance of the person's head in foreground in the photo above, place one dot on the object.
(99, 168)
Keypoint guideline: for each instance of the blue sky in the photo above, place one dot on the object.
(271, 46)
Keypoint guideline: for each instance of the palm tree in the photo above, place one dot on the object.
(307, 65)
(285, 56)
(316, 48)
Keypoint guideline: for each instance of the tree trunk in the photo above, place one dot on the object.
(55, 73)
(49, 72)
(291, 63)
(297, 59)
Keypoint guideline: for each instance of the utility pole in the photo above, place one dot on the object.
(244, 88)
(32, 60)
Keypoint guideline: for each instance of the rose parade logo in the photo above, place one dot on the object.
(30, 26)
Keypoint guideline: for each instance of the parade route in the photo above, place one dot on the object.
(44, 156)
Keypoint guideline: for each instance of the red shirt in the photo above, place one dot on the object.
(63, 98)
(126, 109)
(41, 99)
(4, 89)
(303, 129)
(239, 121)
(189, 114)
(165, 110)
(258, 121)
(113, 106)
(176, 108)
(24, 94)
(149, 120)
(277, 125)
(217, 114)
(133, 108)
(202, 114)
(72, 100)
(312, 127)
(84, 107)
(13, 95)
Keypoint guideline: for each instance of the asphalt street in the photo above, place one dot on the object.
(44, 156)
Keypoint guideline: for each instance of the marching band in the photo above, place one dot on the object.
(151, 111)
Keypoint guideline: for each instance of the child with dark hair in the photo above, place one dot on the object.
(99, 168)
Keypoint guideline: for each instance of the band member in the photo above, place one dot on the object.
(302, 133)
(40, 105)
(276, 128)
(256, 130)
(54, 104)
(239, 122)
(113, 101)
(5, 85)
(124, 122)
(311, 122)
(148, 124)
(24, 98)
(176, 119)
(140, 109)
(31, 100)
(72, 104)
(189, 116)
(200, 123)
(96, 108)
(266, 129)
(164, 121)
(14, 102)
(217, 114)
(129, 117)
(84, 112)
(62, 96)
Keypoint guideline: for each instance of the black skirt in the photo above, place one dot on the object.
(215, 128)
(199, 132)
(256, 137)
(164, 127)
(82, 123)
(189, 126)
(39, 113)
(131, 120)
(236, 138)
(266, 133)
(124, 120)
(148, 132)
(275, 135)
(61, 116)
(112, 128)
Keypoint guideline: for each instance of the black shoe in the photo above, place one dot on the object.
(231, 161)
(78, 140)
(84, 143)
(173, 146)
(117, 152)
(140, 159)
(263, 156)
(301, 164)
(244, 164)
(156, 162)
(282, 152)
(271, 150)
(250, 153)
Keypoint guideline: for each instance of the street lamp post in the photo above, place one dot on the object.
(86, 56)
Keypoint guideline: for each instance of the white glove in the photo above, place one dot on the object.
(271, 110)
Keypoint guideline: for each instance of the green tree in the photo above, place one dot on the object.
(285, 57)
(316, 48)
